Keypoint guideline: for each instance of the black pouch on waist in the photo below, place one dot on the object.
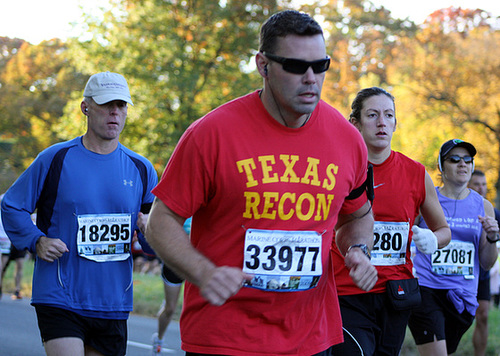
(404, 294)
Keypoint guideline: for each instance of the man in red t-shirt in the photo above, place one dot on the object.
(265, 178)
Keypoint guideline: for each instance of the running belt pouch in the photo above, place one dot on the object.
(404, 294)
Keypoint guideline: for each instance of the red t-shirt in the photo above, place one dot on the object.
(237, 169)
(399, 185)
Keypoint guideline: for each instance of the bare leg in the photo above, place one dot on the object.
(69, 346)
(168, 307)
(3, 267)
(435, 348)
(480, 335)
(65, 346)
(2, 263)
(165, 314)
(5, 259)
(1, 278)
(19, 274)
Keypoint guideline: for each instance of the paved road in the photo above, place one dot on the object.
(19, 335)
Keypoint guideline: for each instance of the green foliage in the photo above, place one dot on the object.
(182, 59)
(8, 49)
(34, 87)
(360, 40)
(446, 85)
(148, 294)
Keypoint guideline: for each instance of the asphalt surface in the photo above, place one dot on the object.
(19, 335)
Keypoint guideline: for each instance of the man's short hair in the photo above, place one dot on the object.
(284, 23)
(478, 173)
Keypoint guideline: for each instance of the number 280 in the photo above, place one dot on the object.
(386, 241)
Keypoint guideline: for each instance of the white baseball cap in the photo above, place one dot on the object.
(107, 86)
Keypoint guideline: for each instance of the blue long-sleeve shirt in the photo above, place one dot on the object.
(89, 201)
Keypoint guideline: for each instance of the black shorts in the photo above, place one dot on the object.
(15, 253)
(169, 277)
(437, 318)
(371, 325)
(108, 336)
(483, 286)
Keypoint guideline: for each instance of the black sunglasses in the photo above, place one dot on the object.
(456, 159)
(298, 66)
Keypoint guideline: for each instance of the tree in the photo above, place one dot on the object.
(181, 59)
(360, 38)
(35, 83)
(451, 72)
(8, 49)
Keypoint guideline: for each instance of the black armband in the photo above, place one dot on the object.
(146, 208)
(366, 186)
(497, 238)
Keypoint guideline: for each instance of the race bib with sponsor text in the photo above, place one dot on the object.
(104, 237)
(457, 258)
(283, 260)
(390, 242)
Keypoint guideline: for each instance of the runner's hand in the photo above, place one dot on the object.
(362, 272)
(49, 249)
(222, 283)
(490, 226)
(425, 240)
(142, 220)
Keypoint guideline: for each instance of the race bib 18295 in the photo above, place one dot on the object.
(104, 237)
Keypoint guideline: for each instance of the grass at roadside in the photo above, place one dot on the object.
(148, 296)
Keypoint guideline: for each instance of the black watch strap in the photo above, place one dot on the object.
(497, 238)
(363, 248)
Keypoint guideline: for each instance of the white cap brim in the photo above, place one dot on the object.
(106, 98)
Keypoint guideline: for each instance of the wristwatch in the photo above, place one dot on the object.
(497, 238)
(363, 248)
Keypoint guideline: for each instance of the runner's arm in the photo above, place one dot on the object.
(165, 233)
(432, 212)
(488, 252)
(354, 229)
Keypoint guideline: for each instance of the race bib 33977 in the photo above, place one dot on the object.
(283, 260)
